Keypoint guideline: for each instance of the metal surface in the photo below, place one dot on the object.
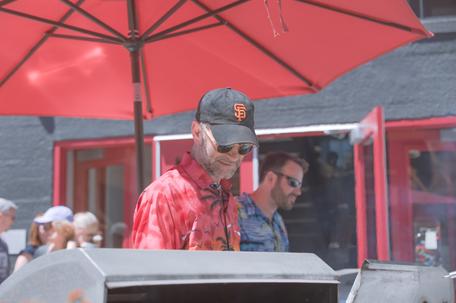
(108, 275)
(398, 283)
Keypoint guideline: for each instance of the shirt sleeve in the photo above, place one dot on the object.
(154, 223)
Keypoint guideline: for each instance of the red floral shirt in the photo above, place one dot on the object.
(183, 210)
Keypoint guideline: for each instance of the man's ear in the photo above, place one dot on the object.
(270, 177)
(196, 131)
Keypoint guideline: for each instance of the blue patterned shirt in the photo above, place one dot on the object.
(258, 232)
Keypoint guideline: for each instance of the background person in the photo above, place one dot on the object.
(63, 234)
(46, 225)
(36, 237)
(87, 230)
(262, 227)
(7, 217)
(190, 206)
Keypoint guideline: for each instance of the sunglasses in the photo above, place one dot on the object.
(244, 148)
(292, 182)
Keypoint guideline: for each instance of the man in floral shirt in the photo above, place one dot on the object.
(190, 206)
(262, 227)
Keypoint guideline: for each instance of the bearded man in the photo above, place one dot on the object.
(262, 227)
(191, 206)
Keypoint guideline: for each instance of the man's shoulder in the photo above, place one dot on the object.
(245, 205)
(244, 199)
(167, 187)
(169, 179)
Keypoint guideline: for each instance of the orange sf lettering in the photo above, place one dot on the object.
(240, 112)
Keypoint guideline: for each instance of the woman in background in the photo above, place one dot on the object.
(38, 235)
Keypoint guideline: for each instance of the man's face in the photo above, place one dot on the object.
(219, 165)
(288, 185)
(7, 219)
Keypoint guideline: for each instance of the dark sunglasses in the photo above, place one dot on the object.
(293, 182)
(244, 148)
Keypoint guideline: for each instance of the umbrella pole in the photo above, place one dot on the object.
(133, 47)
(139, 130)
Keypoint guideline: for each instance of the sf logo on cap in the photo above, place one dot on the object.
(240, 112)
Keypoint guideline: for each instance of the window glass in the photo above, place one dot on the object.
(323, 219)
(103, 181)
(423, 212)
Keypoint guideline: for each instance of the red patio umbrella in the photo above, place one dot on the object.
(92, 58)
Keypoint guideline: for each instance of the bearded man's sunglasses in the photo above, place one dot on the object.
(292, 182)
(244, 148)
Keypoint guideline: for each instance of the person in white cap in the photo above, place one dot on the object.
(56, 222)
(55, 213)
(7, 217)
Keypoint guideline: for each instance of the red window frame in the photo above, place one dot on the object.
(60, 170)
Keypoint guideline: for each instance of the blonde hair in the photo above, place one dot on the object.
(87, 221)
(65, 229)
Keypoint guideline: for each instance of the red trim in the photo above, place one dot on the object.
(381, 202)
(59, 188)
(100, 143)
(360, 201)
(440, 122)
(372, 126)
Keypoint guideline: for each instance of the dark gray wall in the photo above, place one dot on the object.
(416, 81)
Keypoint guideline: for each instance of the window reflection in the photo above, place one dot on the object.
(323, 219)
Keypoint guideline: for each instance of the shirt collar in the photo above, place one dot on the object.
(253, 209)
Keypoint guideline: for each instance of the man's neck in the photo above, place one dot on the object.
(264, 202)
(196, 155)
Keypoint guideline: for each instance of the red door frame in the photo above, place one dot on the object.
(403, 197)
(399, 135)
(372, 127)
(59, 177)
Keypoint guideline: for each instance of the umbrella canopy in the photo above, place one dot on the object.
(93, 58)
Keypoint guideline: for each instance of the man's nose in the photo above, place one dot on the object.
(234, 152)
(298, 190)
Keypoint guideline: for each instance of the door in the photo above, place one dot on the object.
(370, 189)
(100, 177)
(423, 202)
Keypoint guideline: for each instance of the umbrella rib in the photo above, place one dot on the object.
(37, 45)
(260, 47)
(59, 24)
(72, 37)
(360, 16)
(197, 19)
(163, 19)
(185, 32)
(5, 2)
(95, 19)
(145, 81)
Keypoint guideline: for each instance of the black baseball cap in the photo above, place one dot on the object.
(229, 114)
